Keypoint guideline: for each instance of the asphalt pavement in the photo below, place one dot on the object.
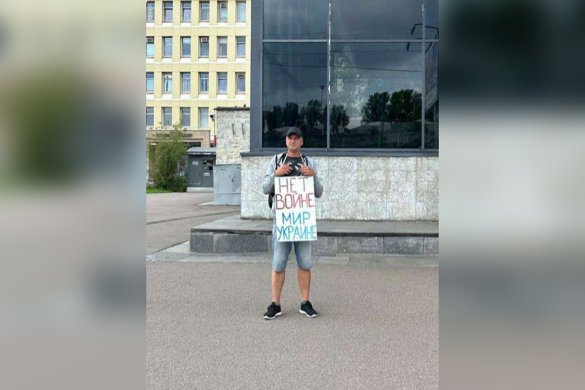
(377, 328)
(170, 215)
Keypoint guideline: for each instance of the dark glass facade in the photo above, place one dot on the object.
(351, 75)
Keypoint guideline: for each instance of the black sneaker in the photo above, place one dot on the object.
(272, 312)
(307, 309)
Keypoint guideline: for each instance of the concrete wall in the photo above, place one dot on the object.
(362, 188)
(233, 134)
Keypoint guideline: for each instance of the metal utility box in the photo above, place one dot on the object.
(227, 184)
(200, 166)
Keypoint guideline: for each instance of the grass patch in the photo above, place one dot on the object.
(155, 190)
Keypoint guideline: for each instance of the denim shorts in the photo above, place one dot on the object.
(282, 252)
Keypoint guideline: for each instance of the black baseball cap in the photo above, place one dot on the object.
(294, 130)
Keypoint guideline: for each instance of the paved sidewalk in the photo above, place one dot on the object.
(169, 217)
(378, 327)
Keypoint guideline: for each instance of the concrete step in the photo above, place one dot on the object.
(235, 235)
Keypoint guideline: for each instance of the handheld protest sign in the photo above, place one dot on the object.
(294, 199)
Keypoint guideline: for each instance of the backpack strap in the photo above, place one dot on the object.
(279, 159)
(304, 159)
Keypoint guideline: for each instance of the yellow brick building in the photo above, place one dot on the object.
(197, 58)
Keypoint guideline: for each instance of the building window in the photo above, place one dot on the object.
(149, 116)
(294, 91)
(349, 77)
(203, 82)
(149, 47)
(185, 46)
(185, 11)
(203, 46)
(150, 12)
(204, 11)
(240, 82)
(167, 115)
(149, 82)
(167, 47)
(203, 118)
(185, 116)
(167, 82)
(241, 11)
(240, 46)
(185, 82)
(376, 95)
(221, 82)
(167, 11)
(222, 46)
(222, 11)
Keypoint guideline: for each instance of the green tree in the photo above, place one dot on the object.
(376, 109)
(312, 113)
(405, 106)
(290, 114)
(339, 117)
(164, 159)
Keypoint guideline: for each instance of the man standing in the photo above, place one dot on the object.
(291, 163)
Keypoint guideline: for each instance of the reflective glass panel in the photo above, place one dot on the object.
(204, 11)
(432, 96)
(203, 118)
(203, 82)
(376, 19)
(241, 11)
(185, 11)
(185, 82)
(294, 92)
(167, 116)
(186, 47)
(222, 82)
(295, 19)
(376, 95)
(185, 116)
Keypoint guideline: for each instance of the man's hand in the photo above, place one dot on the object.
(307, 171)
(283, 170)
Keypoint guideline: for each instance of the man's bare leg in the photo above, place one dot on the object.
(277, 283)
(304, 276)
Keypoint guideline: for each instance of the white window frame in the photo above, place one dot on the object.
(238, 5)
(219, 91)
(222, 5)
(201, 116)
(148, 3)
(164, 47)
(183, 20)
(165, 90)
(170, 110)
(183, 80)
(150, 113)
(219, 40)
(238, 45)
(151, 39)
(150, 90)
(201, 41)
(201, 3)
(165, 3)
(183, 55)
(182, 111)
(201, 92)
(240, 76)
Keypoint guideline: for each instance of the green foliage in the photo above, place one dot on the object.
(376, 109)
(401, 106)
(405, 106)
(164, 160)
(339, 117)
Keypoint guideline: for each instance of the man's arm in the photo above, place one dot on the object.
(268, 182)
(312, 171)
